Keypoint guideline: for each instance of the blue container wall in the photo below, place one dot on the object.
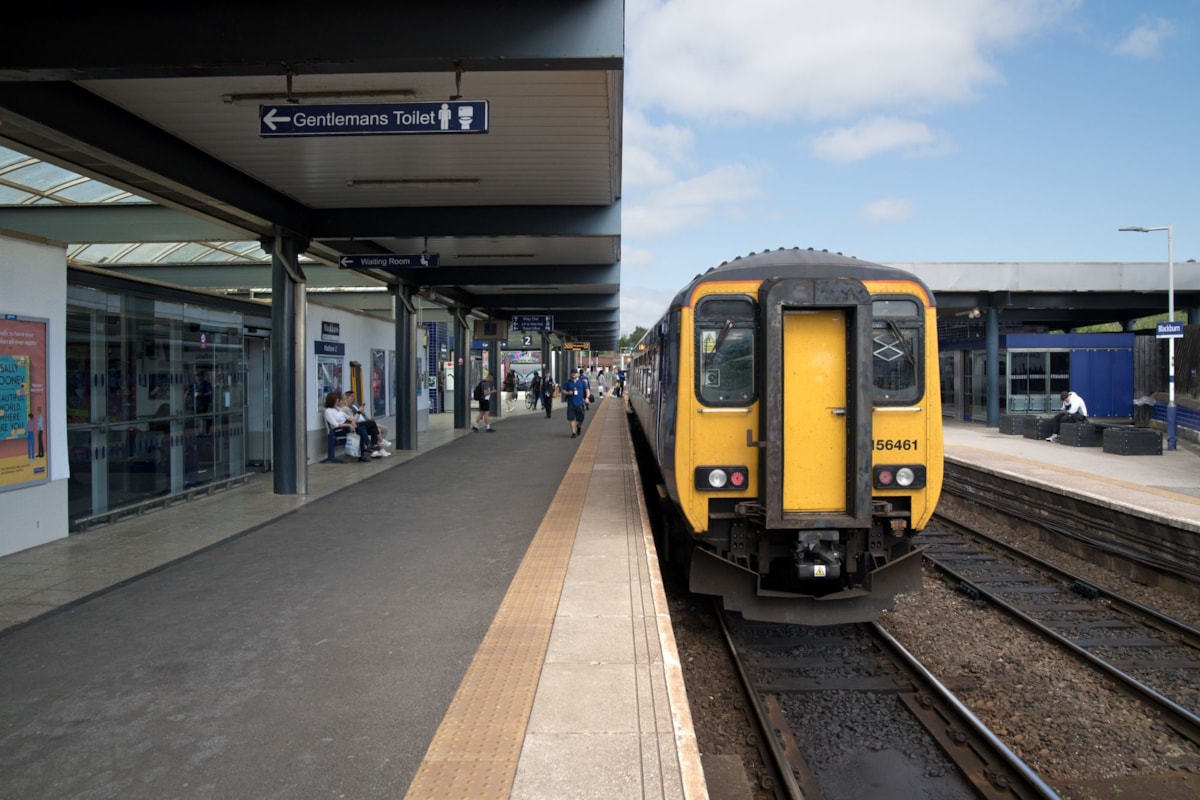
(1104, 379)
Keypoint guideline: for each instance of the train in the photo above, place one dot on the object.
(790, 401)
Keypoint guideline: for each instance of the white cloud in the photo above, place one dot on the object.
(651, 154)
(641, 305)
(879, 135)
(780, 59)
(889, 210)
(636, 257)
(1147, 39)
(687, 203)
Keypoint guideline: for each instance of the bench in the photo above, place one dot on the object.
(1081, 434)
(1037, 427)
(1126, 441)
(1013, 424)
(333, 438)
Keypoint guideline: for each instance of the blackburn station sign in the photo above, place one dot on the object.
(373, 119)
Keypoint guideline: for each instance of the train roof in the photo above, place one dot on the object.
(796, 262)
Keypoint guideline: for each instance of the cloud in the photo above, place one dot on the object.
(1147, 39)
(879, 135)
(641, 305)
(780, 59)
(651, 154)
(689, 202)
(889, 210)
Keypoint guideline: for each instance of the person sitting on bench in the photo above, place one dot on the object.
(376, 431)
(336, 419)
(1073, 410)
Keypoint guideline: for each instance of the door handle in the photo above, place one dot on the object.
(839, 412)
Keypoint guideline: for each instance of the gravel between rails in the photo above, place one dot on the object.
(1084, 737)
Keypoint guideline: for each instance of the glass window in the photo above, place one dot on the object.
(896, 349)
(725, 329)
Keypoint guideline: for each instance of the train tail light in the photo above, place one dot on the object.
(732, 479)
(899, 476)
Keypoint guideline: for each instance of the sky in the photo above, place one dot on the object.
(905, 131)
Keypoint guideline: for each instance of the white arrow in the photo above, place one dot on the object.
(345, 261)
(270, 119)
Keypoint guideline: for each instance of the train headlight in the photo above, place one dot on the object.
(722, 478)
(899, 476)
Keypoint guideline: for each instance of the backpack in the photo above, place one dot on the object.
(478, 391)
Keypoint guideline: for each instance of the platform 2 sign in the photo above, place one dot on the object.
(373, 119)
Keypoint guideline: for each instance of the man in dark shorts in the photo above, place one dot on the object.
(483, 393)
(574, 392)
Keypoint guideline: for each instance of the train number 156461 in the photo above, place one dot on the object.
(895, 444)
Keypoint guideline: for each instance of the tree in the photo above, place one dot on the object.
(630, 339)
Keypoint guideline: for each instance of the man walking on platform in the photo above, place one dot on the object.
(483, 395)
(575, 391)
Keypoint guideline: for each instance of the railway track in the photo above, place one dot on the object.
(1149, 656)
(846, 712)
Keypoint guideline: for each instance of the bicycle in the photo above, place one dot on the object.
(530, 400)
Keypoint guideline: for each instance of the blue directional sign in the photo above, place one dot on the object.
(389, 261)
(373, 119)
(533, 322)
(1169, 330)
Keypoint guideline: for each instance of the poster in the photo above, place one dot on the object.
(378, 382)
(24, 443)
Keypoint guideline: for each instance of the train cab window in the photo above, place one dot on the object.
(725, 329)
(896, 348)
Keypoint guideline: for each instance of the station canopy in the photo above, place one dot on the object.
(150, 154)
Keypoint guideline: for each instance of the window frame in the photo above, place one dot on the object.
(749, 323)
(916, 324)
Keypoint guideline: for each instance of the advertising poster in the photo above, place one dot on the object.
(24, 448)
(378, 382)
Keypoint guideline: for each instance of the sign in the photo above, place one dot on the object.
(533, 322)
(26, 426)
(389, 261)
(577, 345)
(481, 345)
(330, 330)
(373, 119)
(1169, 330)
(329, 348)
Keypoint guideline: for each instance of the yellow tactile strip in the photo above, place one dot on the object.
(475, 751)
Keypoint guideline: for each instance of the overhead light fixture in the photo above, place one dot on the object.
(371, 182)
(312, 97)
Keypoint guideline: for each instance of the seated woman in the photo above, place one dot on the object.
(336, 419)
(355, 412)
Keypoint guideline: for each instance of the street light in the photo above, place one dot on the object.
(1171, 318)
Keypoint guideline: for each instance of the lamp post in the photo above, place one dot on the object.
(1171, 317)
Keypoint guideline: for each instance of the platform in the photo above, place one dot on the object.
(1164, 486)
(482, 617)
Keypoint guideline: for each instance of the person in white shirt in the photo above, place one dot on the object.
(1073, 410)
(336, 418)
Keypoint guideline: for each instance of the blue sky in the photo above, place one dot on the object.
(905, 130)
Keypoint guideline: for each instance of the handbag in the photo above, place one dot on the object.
(352, 445)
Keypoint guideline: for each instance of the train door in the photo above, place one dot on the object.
(814, 409)
(816, 425)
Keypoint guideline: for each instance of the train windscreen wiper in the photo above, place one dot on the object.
(728, 326)
(895, 329)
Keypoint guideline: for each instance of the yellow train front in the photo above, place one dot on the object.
(791, 401)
